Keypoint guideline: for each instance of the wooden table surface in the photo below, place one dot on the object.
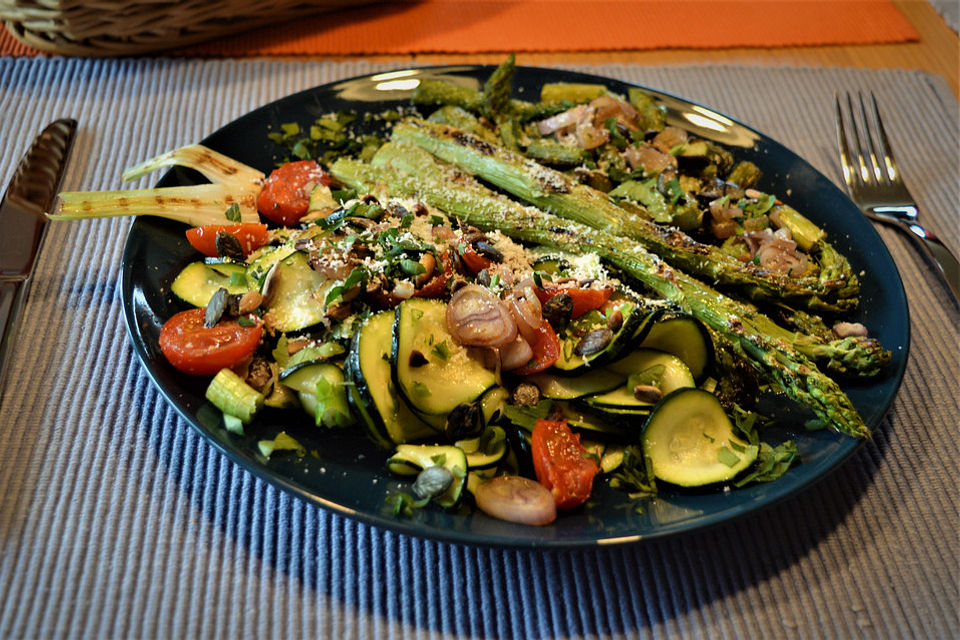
(938, 51)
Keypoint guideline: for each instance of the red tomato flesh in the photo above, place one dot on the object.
(583, 299)
(561, 463)
(546, 351)
(251, 235)
(193, 348)
(285, 196)
(473, 261)
(437, 285)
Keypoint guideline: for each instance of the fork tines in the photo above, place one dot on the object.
(870, 160)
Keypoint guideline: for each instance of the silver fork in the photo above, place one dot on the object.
(875, 184)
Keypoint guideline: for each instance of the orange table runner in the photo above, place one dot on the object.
(475, 26)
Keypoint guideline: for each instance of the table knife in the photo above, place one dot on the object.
(28, 197)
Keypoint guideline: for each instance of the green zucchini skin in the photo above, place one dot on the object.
(197, 282)
(433, 384)
(571, 387)
(298, 302)
(304, 379)
(600, 425)
(421, 456)
(387, 419)
(676, 375)
(685, 337)
(691, 442)
(635, 325)
(606, 423)
(486, 450)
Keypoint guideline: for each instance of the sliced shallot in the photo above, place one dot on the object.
(517, 499)
(526, 310)
(476, 317)
(516, 354)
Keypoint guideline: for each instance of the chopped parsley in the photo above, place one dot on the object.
(233, 213)
(441, 350)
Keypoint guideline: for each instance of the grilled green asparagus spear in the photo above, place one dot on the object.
(854, 357)
(493, 102)
(834, 289)
(496, 92)
(764, 344)
(462, 119)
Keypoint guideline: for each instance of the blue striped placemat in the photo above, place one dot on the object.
(118, 521)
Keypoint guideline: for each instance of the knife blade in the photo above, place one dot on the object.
(28, 197)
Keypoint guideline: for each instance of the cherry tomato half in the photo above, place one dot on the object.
(561, 463)
(193, 348)
(473, 261)
(546, 351)
(583, 299)
(285, 196)
(437, 285)
(251, 235)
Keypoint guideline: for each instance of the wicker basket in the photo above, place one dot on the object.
(129, 27)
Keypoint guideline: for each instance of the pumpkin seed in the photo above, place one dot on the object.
(647, 393)
(432, 482)
(228, 246)
(594, 342)
(215, 308)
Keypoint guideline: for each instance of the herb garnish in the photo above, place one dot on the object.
(233, 213)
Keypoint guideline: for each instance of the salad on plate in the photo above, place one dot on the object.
(514, 300)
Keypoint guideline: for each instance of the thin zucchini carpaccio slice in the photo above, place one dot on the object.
(691, 442)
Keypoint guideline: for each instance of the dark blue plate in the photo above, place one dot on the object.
(345, 473)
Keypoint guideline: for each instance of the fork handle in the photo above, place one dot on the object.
(946, 262)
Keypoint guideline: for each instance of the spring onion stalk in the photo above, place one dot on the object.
(229, 393)
(231, 182)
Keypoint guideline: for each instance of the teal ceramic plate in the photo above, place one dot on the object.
(346, 473)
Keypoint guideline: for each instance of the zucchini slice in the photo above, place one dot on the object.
(432, 371)
(387, 418)
(492, 404)
(421, 456)
(611, 420)
(197, 283)
(634, 327)
(685, 337)
(307, 379)
(672, 374)
(260, 261)
(486, 450)
(612, 458)
(691, 441)
(569, 388)
(595, 427)
(305, 376)
(299, 299)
